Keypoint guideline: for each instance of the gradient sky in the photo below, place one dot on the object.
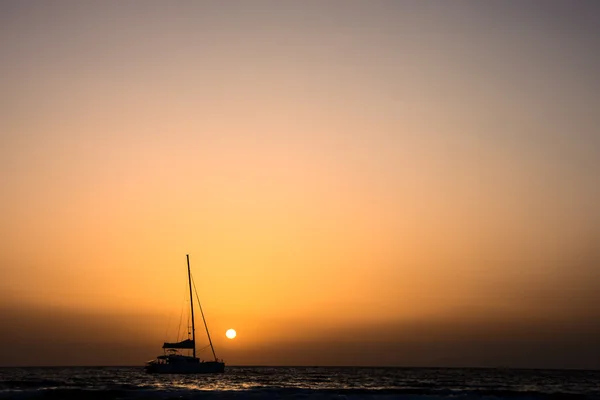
(356, 182)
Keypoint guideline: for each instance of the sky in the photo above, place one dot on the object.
(410, 183)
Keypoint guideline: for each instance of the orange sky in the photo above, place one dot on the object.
(413, 178)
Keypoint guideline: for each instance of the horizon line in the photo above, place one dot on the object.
(325, 366)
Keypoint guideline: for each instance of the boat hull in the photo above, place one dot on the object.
(208, 367)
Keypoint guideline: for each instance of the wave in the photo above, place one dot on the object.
(137, 393)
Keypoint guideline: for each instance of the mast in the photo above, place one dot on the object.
(192, 304)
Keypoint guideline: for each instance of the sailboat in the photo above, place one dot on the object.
(172, 362)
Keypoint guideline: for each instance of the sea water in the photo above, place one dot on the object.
(299, 383)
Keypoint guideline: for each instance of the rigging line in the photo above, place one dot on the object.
(189, 328)
(179, 327)
(204, 319)
(205, 347)
(179, 338)
(168, 325)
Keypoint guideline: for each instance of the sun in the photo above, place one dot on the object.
(231, 333)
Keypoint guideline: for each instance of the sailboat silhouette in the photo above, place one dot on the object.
(171, 362)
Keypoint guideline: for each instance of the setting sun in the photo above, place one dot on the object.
(231, 333)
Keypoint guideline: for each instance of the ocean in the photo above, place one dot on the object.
(298, 383)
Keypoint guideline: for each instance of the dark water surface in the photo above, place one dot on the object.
(298, 383)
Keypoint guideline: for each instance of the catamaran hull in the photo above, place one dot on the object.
(208, 367)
